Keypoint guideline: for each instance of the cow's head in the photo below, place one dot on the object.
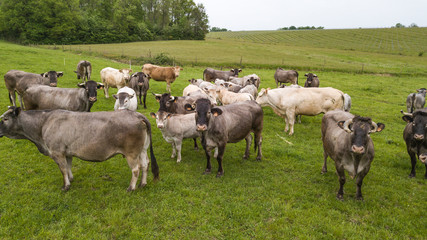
(53, 77)
(360, 128)
(177, 69)
(262, 98)
(91, 87)
(9, 126)
(161, 118)
(204, 112)
(78, 75)
(166, 101)
(418, 119)
(235, 72)
(126, 74)
(141, 78)
(124, 100)
(310, 77)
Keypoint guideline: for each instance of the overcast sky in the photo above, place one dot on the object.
(238, 15)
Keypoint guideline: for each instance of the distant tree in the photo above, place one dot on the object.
(413, 25)
(292, 28)
(399, 25)
(301, 28)
(217, 29)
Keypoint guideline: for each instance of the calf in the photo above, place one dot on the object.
(114, 78)
(283, 76)
(416, 100)
(251, 89)
(312, 80)
(226, 97)
(167, 74)
(252, 79)
(347, 141)
(414, 135)
(84, 70)
(227, 124)
(61, 135)
(210, 74)
(125, 99)
(175, 128)
(19, 81)
(39, 97)
(139, 82)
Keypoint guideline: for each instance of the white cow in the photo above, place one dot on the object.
(288, 102)
(175, 128)
(114, 78)
(126, 99)
(226, 97)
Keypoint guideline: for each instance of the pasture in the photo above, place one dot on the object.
(281, 197)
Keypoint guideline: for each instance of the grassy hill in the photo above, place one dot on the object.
(379, 51)
(284, 196)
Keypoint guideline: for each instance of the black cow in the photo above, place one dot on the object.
(84, 70)
(414, 135)
(210, 74)
(39, 97)
(139, 82)
(19, 81)
(346, 140)
(227, 124)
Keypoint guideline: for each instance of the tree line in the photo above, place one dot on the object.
(301, 28)
(101, 21)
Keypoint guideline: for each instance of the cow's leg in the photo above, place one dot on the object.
(61, 161)
(106, 90)
(12, 98)
(134, 163)
(145, 96)
(178, 146)
(168, 86)
(286, 123)
(341, 178)
(359, 181)
(413, 163)
(144, 161)
(299, 118)
(325, 166)
(216, 152)
(248, 140)
(195, 144)
(69, 164)
(425, 175)
(20, 102)
(208, 156)
(173, 149)
(258, 143)
(221, 150)
(291, 121)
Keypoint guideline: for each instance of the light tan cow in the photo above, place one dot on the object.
(167, 74)
(289, 102)
(227, 97)
(114, 78)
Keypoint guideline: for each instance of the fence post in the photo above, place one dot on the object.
(241, 58)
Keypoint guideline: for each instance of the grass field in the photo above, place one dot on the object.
(394, 51)
(282, 197)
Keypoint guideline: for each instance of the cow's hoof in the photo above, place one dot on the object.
(66, 188)
(219, 174)
(359, 198)
(178, 160)
(196, 148)
(130, 189)
(207, 171)
(141, 185)
(258, 159)
(245, 157)
(324, 171)
(340, 197)
(412, 175)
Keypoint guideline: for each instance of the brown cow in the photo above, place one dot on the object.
(168, 74)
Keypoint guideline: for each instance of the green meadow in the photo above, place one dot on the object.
(284, 196)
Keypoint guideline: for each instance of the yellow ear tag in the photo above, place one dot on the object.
(215, 114)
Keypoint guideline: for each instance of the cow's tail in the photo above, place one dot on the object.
(297, 76)
(10, 98)
(413, 103)
(154, 166)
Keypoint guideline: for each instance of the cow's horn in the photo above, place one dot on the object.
(8, 111)
(405, 113)
(172, 99)
(347, 124)
(375, 127)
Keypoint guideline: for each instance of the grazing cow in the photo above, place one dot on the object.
(251, 89)
(347, 141)
(289, 102)
(210, 74)
(283, 76)
(226, 97)
(139, 82)
(168, 74)
(416, 100)
(114, 78)
(189, 89)
(232, 87)
(414, 135)
(61, 135)
(175, 128)
(227, 124)
(246, 80)
(19, 81)
(312, 80)
(84, 70)
(125, 99)
(40, 97)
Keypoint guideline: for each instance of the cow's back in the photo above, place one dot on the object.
(20, 80)
(40, 97)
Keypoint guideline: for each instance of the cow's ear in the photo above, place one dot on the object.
(100, 86)
(75, 71)
(158, 96)
(216, 111)
(169, 115)
(240, 70)
(306, 74)
(189, 107)
(59, 74)
(341, 124)
(148, 75)
(115, 96)
(190, 80)
(81, 85)
(43, 74)
(153, 115)
(175, 98)
(131, 96)
(17, 111)
(407, 119)
(381, 127)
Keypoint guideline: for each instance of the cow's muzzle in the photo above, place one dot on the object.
(140, 84)
(423, 158)
(92, 99)
(53, 84)
(418, 137)
(201, 128)
(357, 149)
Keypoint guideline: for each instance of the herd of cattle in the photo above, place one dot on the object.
(221, 108)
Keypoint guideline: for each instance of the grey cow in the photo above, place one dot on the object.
(416, 100)
(61, 135)
(285, 76)
(18, 81)
(84, 70)
(347, 141)
(80, 99)
(139, 82)
(312, 80)
(210, 74)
